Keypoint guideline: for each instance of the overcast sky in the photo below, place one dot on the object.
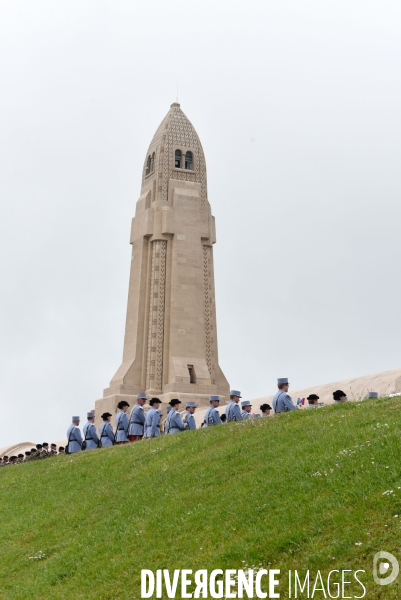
(297, 104)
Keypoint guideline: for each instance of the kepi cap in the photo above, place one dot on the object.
(189, 404)
(76, 418)
(235, 393)
(214, 398)
(246, 403)
(90, 415)
(282, 380)
(141, 396)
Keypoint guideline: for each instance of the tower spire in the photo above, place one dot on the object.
(170, 346)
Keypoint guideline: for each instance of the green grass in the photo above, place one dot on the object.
(298, 491)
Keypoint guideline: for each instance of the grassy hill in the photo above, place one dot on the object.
(299, 491)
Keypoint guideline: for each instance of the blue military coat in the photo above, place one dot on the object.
(122, 427)
(106, 434)
(245, 415)
(152, 420)
(189, 419)
(137, 420)
(90, 435)
(212, 417)
(167, 422)
(233, 412)
(282, 402)
(174, 422)
(74, 438)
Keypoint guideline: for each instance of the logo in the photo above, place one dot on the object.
(385, 560)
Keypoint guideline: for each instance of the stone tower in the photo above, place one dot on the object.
(170, 346)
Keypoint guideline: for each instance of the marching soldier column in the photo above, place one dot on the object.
(145, 425)
(141, 425)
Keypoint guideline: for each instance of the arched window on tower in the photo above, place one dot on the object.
(189, 160)
(152, 163)
(178, 157)
(148, 165)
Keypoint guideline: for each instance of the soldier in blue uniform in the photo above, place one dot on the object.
(174, 422)
(90, 434)
(212, 415)
(189, 418)
(339, 396)
(74, 437)
(152, 419)
(122, 423)
(246, 410)
(168, 417)
(233, 412)
(282, 401)
(106, 432)
(137, 419)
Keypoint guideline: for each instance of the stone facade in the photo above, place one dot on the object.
(170, 346)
